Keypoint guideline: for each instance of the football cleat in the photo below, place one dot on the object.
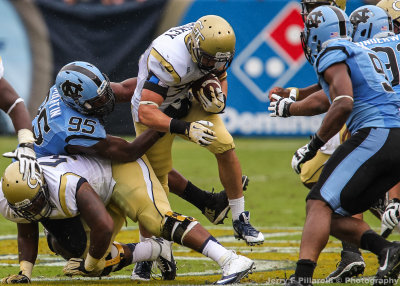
(235, 268)
(142, 271)
(217, 206)
(351, 265)
(389, 265)
(244, 230)
(166, 262)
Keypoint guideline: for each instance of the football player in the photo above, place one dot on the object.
(361, 96)
(83, 185)
(14, 106)
(167, 69)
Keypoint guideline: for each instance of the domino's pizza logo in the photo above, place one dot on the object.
(274, 56)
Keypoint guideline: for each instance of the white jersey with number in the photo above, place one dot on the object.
(169, 59)
(1, 68)
(63, 175)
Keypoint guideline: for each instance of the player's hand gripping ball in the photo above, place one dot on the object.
(207, 90)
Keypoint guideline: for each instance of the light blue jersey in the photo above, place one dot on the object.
(375, 102)
(388, 51)
(57, 125)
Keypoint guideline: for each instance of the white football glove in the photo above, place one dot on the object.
(27, 160)
(280, 107)
(217, 102)
(306, 153)
(16, 278)
(200, 133)
(390, 217)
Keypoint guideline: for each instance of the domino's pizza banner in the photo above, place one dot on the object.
(38, 37)
(268, 54)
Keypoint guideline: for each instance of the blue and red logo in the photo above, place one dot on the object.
(274, 56)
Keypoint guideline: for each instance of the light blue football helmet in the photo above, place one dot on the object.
(370, 21)
(84, 88)
(323, 25)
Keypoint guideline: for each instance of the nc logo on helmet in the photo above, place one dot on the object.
(71, 89)
(361, 16)
(313, 19)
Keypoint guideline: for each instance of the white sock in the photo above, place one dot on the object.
(215, 251)
(146, 250)
(142, 238)
(237, 207)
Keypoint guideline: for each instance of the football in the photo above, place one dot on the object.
(205, 83)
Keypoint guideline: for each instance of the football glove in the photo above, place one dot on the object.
(76, 266)
(200, 133)
(215, 104)
(306, 153)
(390, 217)
(279, 106)
(16, 278)
(27, 160)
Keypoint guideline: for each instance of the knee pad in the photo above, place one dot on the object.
(176, 226)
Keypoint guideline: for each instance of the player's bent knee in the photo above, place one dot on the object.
(176, 226)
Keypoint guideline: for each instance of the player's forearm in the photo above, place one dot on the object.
(28, 241)
(306, 91)
(153, 118)
(316, 103)
(20, 117)
(124, 90)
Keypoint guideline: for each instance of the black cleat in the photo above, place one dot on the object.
(389, 266)
(244, 230)
(217, 206)
(142, 271)
(351, 265)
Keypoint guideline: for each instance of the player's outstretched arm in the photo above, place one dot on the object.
(124, 90)
(118, 149)
(28, 241)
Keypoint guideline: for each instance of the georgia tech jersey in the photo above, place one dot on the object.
(57, 125)
(1, 68)
(375, 102)
(168, 67)
(63, 175)
(388, 51)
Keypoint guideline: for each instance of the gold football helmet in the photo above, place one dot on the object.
(308, 5)
(28, 198)
(392, 7)
(212, 43)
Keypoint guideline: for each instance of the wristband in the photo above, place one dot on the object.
(18, 100)
(90, 262)
(25, 136)
(26, 268)
(178, 126)
(315, 143)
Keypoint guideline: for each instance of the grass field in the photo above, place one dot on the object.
(275, 198)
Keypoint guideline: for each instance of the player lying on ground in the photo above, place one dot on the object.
(81, 185)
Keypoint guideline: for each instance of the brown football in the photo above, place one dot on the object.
(205, 82)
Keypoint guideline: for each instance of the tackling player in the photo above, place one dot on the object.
(83, 185)
(167, 69)
(14, 106)
(370, 108)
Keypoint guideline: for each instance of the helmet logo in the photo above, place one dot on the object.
(360, 17)
(197, 32)
(71, 89)
(395, 2)
(314, 19)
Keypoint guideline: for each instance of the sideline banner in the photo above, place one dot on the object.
(268, 54)
(38, 37)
